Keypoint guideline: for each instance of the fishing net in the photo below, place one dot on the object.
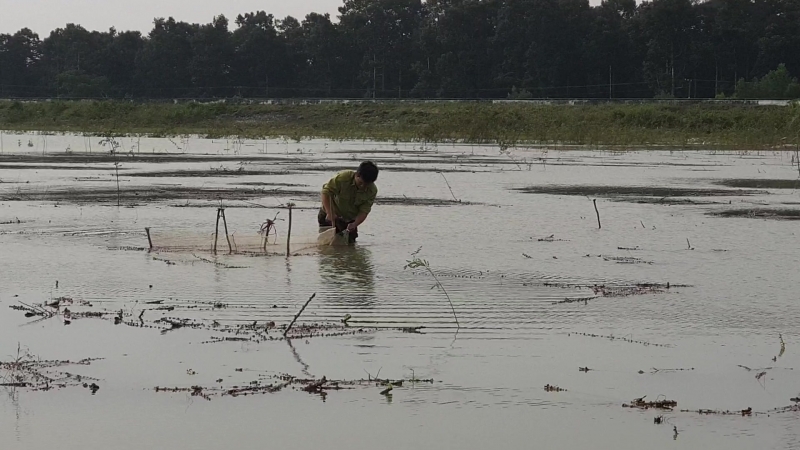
(190, 241)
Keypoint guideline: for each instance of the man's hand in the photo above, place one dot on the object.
(331, 218)
(351, 227)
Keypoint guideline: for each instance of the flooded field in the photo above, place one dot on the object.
(666, 317)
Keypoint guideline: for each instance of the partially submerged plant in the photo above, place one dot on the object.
(115, 145)
(415, 263)
(268, 228)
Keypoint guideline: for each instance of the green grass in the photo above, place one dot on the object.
(608, 125)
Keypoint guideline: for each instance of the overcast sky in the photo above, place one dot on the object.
(43, 16)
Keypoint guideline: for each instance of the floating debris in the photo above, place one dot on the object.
(625, 260)
(742, 412)
(549, 388)
(30, 372)
(637, 289)
(655, 370)
(417, 330)
(551, 238)
(629, 340)
(275, 384)
(585, 300)
(659, 403)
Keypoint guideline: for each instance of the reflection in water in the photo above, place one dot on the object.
(299, 359)
(350, 271)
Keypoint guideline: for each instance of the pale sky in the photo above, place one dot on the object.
(43, 16)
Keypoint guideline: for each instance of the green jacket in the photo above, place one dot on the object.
(347, 199)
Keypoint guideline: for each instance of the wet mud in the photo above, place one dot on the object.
(636, 192)
(83, 195)
(135, 196)
(760, 213)
(756, 183)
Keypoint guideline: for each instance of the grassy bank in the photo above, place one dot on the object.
(624, 125)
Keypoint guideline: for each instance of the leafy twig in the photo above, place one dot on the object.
(417, 262)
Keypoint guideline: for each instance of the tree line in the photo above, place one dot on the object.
(430, 49)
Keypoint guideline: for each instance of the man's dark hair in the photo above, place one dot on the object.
(368, 171)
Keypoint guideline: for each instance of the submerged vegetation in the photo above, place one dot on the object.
(698, 125)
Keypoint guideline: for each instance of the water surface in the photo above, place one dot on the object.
(508, 259)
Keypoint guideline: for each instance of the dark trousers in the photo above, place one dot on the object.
(341, 225)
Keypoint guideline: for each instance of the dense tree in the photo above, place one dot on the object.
(20, 54)
(163, 66)
(432, 48)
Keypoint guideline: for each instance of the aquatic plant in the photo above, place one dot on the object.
(416, 263)
(112, 142)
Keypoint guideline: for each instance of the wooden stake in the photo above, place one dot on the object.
(216, 234)
(225, 223)
(301, 312)
(149, 241)
(598, 214)
(289, 233)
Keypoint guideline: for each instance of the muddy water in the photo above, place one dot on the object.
(507, 258)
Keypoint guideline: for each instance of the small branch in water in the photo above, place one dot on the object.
(416, 262)
(599, 226)
(448, 187)
(689, 244)
(298, 314)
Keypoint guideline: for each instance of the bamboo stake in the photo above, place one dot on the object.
(225, 223)
(216, 234)
(289, 233)
(598, 214)
(298, 314)
(149, 241)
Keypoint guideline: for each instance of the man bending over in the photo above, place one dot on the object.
(347, 199)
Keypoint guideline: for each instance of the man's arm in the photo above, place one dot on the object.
(364, 211)
(330, 189)
(328, 207)
(359, 220)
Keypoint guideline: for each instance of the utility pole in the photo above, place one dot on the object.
(267, 86)
(374, 76)
(610, 84)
